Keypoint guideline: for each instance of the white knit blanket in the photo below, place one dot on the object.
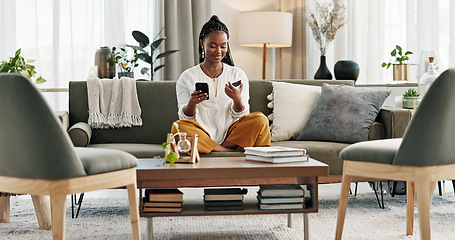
(113, 103)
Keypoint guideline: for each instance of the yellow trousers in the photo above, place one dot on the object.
(251, 130)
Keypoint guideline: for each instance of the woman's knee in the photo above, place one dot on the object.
(259, 117)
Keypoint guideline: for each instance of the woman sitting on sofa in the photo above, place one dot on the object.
(221, 118)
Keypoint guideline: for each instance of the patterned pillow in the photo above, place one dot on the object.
(343, 114)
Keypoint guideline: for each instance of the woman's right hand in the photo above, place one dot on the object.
(197, 96)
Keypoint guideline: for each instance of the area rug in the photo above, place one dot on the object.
(108, 218)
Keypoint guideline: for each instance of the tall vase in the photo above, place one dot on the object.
(323, 72)
(105, 70)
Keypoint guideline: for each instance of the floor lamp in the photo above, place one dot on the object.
(268, 29)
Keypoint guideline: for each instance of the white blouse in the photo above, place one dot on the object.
(217, 114)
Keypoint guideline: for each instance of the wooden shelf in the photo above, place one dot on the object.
(195, 207)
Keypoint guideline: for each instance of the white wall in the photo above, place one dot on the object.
(247, 58)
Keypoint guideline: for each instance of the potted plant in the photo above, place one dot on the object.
(125, 60)
(411, 98)
(18, 64)
(400, 68)
(148, 57)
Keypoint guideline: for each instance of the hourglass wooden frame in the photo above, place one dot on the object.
(194, 156)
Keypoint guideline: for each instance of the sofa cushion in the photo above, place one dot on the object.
(343, 114)
(80, 134)
(292, 106)
(139, 150)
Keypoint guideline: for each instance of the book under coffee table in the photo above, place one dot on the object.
(229, 171)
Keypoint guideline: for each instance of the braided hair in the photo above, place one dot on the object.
(214, 24)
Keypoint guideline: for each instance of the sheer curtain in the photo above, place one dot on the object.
(63, 35)
(374, 27)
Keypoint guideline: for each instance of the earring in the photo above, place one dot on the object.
(203, 54)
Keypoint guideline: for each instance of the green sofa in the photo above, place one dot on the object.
(159, 110)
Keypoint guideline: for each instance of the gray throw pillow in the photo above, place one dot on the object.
(343, 114)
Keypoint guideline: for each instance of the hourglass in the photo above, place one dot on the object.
(185, 144)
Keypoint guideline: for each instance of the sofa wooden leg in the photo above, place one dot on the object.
(4, 209)
(43, 213)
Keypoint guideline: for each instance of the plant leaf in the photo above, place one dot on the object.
(172, 157)
(18, 52)
(144, 70)
(5, 69)
(164, 54)
(393, 53)
(164, 145)
(131, 46)
(141, 38)
(159, 33)
(145, 57)
(159, 67)
(40, 80)
(156, 43)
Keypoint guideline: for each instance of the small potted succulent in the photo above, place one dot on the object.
(411, 99)
(400, 68)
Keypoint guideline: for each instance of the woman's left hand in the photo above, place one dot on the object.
(234, 92)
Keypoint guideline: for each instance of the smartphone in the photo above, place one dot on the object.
(204, 87)
(236, 84)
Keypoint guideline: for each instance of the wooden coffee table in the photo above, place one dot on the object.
(229, 171)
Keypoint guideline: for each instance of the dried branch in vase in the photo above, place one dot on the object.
(325, 22)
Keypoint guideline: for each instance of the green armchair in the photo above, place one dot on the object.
(422, 157)
(38, 158)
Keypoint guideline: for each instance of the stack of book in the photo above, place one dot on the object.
(280, 197)
(220, 199)
(163, 200)
(276, 154)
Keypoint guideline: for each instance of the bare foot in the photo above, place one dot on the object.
(230, 145)
(220, 148)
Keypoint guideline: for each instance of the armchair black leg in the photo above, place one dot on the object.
(453, 184)
(76, 202)
(380, 202)
(355, 191)
(73, 196)
(440, 188)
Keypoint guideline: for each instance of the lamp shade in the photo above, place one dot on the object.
(269, 27)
